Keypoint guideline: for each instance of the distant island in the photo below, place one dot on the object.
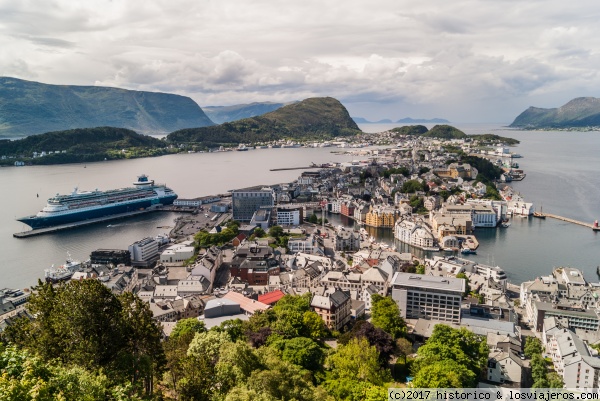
(82, 145)
(449, 132)
(582, 112)
(30, 108)
(225, 114)
(319, 118)
(407, 120)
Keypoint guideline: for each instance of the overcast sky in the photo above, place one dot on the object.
(464, 60)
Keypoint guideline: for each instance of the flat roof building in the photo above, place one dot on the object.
(420, 296)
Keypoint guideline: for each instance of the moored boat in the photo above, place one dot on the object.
(84, 205)
(63, 272)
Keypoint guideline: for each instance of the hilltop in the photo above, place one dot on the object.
(225, 114)
(449, 132)
(407, 120)
(579, 112)
(438, 131)
(29, 108)
(83, 145)
(313, 118)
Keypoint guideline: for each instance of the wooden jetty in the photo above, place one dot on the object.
(581, 223)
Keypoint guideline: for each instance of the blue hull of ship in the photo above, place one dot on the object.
(43, 222)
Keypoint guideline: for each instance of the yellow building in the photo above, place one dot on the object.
(380, 216)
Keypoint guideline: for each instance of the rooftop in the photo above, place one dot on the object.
(429, 282)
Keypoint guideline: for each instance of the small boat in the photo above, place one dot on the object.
(540, 214)
(468, 251)
(505, 225)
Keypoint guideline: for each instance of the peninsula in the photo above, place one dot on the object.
(579, 113)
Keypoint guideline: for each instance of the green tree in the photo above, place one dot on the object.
(357, 360)
(532, 346)
(303, 352)
(411, 186)
(259, 232)
(459, 345)
(314, 326)
(143, 356)
(420, 269)
(403, 348)
(467, 287)
(385, 315)
(313, 219)
(444, 374)
(276, 231)
(185, 326)
(554, 380)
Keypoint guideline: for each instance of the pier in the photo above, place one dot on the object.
(568, 220)
(294, 168)
(62, 227)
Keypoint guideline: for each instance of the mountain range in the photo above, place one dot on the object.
(407, 120)
(313, 118)
(579, 112)
(224, 114)
(28, 108)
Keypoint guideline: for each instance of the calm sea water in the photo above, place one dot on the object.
(561, 174)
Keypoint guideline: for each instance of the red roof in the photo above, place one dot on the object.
(271, 297)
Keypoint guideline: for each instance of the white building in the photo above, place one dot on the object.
(414, 232)
(144, 251)
(289, 216)
(177, 253)
(573, 360)
(420, 296)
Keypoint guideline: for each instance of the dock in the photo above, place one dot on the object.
(293, 168)
(62, 227)
(568, 220)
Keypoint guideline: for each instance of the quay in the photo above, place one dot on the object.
(581, 223)
(294, 168)
(62, 227)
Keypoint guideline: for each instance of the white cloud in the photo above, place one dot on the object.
(466, 60)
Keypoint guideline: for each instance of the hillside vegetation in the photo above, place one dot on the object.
(28, 108)
(83, 145)
(224, 114)
(314, 118)
(579, 112)
(449, 132)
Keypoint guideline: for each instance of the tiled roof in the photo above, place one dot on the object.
(249, 305)
(271, 297)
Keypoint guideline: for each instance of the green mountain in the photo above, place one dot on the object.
(83, 145)
(579, 112)
(438, 131)
(28, 108)
(225, 114)
(313, 118)
(449, 132)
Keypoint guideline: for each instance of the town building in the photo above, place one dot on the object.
(113, 257)
(144, 252)
(346, 240)
(290, 216)
(414, 231)
(382, 216)
(420, 296)
(334, 308)
(245, 202)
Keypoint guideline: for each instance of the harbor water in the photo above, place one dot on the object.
(561, 172)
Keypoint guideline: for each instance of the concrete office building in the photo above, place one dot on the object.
(419, 296)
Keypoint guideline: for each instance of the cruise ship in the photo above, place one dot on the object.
(78, 205)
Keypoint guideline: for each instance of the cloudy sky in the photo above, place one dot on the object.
(464, 60)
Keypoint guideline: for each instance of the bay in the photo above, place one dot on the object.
(189, 175)
(561, 172)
